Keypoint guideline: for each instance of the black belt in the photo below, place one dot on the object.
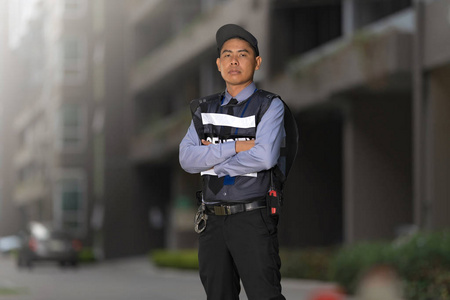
(225, 210)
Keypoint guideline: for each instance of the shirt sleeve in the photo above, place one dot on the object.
(264, 155)
(195, 157)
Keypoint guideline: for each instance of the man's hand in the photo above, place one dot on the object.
(244, 145)
(206, 143)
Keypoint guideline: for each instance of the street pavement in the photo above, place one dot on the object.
(122, 279)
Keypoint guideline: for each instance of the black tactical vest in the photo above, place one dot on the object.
(208, 115)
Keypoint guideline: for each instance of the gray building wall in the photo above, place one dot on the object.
(431, 115)
(378, 192)
(439, 94)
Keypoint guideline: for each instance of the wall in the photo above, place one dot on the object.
(439, 183)
(377, 166)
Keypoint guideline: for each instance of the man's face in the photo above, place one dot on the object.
(237, 63)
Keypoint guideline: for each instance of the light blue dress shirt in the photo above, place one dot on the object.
(195, 157)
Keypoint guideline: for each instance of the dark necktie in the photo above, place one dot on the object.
(233, 101)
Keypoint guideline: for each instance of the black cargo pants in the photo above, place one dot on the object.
(243, 246)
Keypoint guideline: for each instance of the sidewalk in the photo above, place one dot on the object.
(129, 278)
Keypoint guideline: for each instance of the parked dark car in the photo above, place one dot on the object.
(42, 243)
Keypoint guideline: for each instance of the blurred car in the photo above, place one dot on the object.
(42, 243)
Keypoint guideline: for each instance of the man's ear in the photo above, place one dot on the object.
(218, 63)
(258, 62)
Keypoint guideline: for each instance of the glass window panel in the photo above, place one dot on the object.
(71, 203)
(70, 126)
(73, 56)
(70, 200)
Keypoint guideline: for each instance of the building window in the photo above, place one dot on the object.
(71, 128)
(74, 59)
(70, 201)
(74, 8)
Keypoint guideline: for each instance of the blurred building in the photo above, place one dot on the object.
(65, 139)
(9, 215)
(373, 157)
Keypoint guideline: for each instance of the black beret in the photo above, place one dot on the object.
(230, 31)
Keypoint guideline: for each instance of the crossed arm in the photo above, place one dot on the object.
(239, 145)
(236, 157)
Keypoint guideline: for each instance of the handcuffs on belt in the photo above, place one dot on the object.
(200, 219)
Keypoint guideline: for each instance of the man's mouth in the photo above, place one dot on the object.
(233, 72)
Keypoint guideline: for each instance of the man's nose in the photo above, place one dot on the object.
(234, 61)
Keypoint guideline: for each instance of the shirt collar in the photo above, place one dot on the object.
(243, 95)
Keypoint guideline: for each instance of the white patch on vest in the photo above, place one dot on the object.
(211, 172)
(227, 120)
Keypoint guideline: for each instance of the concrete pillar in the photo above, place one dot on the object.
(439, 181)
(377, 167)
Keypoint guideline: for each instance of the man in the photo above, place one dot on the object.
(234, 141)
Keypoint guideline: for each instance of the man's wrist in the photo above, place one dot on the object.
(244, 145)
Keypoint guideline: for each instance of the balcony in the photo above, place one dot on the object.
(377, 57)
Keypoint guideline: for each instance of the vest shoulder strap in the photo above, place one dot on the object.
(196, 102)
(268, 94)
